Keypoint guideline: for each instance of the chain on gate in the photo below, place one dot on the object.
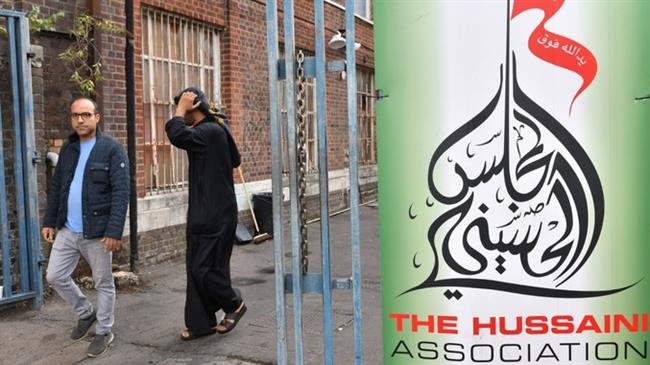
(302, 160)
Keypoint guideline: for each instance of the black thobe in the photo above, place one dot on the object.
(211, 219)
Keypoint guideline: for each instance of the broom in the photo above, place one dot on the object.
(259, 236)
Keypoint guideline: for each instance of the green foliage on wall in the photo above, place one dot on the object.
(83, 73)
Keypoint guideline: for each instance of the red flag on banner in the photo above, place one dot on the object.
(557, 49)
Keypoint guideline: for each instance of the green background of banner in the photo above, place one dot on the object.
(408, 46)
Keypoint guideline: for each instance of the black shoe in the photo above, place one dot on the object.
(83, 325)
(100, 344)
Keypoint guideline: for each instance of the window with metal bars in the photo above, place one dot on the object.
(366, 118)
(177, 52)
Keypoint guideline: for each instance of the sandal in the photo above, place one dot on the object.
(187, 335)
(230, 320)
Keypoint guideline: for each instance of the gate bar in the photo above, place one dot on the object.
(321, 122)
(4, 214)
(29, 160)
(21, 223)
(290, 97)
(276, 157)
(354, 177)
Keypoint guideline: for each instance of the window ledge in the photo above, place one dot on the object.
(166, 210)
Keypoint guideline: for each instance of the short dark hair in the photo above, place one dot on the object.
(85, 98)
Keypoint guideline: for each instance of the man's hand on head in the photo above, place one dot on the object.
(186, 103)
(111, 244)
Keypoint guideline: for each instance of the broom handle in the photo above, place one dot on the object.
(250, 206)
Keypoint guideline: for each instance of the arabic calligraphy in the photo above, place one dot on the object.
(569, 48)
(527, 196)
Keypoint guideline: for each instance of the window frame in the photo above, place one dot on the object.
(163, 61)
(367, 154)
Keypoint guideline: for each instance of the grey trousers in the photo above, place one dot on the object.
(67, 248)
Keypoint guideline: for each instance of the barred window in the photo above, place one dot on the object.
(366, 117)
(177, 52)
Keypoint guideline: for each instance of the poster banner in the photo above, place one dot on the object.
(514, 181)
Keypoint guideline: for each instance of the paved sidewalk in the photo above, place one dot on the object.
(149, 318)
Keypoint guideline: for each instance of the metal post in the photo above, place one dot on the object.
(14, 63)
(4, 227)
(290, 97)
(131, 141)
(321, 118)
(354, 177)
(276, 156)
(29, 159)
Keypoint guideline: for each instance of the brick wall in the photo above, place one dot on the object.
(55, 89)
(156, 246)
(244, 87)
(246, 83)
(245, 91)
(111, 92)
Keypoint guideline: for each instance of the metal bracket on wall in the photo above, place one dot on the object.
(310, 67)
(36, 159)
(379, 94)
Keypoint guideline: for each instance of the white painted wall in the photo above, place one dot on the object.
(159, 211)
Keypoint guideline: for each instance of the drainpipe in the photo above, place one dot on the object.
(130, 132)
(95, 9)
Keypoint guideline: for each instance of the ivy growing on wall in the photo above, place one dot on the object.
(76, 57)
(84, 74)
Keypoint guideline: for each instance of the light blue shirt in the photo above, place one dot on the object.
(74, 221)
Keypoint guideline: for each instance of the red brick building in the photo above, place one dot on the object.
(219, 46)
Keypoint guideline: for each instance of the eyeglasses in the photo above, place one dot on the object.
(84, 116)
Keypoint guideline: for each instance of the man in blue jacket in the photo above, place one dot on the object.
(86, 209)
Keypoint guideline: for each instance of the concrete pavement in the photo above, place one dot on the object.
(149, 317)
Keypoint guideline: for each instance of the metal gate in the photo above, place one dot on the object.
(19, 226)
(299, 281)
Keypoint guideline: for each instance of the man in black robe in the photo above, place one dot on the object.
(211, 215)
